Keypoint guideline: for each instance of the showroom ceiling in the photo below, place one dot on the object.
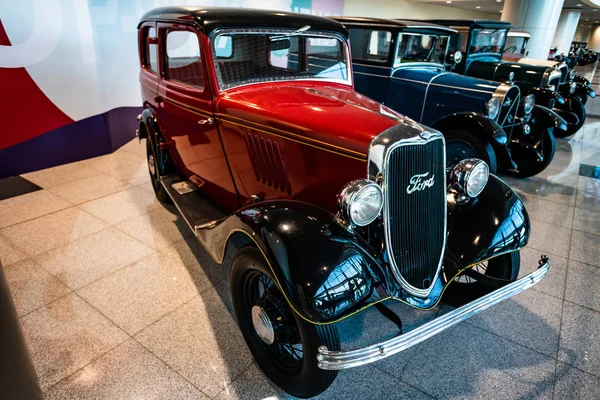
(589, 14)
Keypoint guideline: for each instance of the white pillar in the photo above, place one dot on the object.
(565, 31)
(594, 39)
(539, 18)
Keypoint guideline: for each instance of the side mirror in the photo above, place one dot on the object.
(457, 57)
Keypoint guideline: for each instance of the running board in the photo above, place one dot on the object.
(195, 207)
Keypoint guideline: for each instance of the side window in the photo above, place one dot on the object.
(150, 50)
(183, 62)
(370, 45)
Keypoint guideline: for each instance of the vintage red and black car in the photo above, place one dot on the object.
(334, 202)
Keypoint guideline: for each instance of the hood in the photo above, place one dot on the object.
(439, 77)
(535, 61)
(526, 76)
(331, 115)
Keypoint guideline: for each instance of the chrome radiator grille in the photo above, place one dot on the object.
(415, 212)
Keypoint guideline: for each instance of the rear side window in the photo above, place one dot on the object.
(370, 45)
(150, 52)
(183, 58)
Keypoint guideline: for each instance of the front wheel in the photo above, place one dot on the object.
(577, 107)
(461, 145)
(284, 345)
(528, 163)
(464, 289)
(152, 159)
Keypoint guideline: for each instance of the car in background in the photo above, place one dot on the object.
(516, 45)
(334, 202)
(482, 43)
(402, 64)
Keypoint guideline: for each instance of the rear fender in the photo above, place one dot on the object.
(493, 224)
(482, 126)
(325, 271)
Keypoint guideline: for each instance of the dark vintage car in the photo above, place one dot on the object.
(515, 49)
(402, 64)
(482, 43)
(334, 202)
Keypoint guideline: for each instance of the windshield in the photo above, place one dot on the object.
(487, 40)
(421, 48)
(515, 45)
(242, 57)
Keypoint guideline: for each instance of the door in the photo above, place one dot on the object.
(186, 113)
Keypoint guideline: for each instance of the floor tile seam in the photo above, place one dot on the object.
(546, 252)
(45, 215)
(170, 368)
(579, 369)
(61, 297)
(550, 223)
(538, 197)
(70, 205)
(33, 256)
(164, 316)
(45, 391)
(534, 288)
(252, 362)
(137, 216)
(90, 162)
(96, 173)
(110, 273)
(472, 324)
(590, 233)
(127, 187)
(554, 378)
(582, 306)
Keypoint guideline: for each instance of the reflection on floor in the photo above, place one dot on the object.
(117, 300)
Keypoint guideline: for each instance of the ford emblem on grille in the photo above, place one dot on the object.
(418, 182)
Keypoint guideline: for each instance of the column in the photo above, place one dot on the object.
(594, 39)
(565, 31)
(539, 18)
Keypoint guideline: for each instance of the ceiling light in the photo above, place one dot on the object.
(478, 7)
(587, 19)
(500, 11)
(498, 1)
(448, 2)
(579, 5)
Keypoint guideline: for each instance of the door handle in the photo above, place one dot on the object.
(207, 121)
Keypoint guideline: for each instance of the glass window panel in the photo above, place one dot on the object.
(183, 58)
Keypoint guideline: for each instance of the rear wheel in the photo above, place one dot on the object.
(284, 345)
(527, 161)
(154, 169)
(464, 289)
(461, 145)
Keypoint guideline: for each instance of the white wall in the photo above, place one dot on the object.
(408, 10)
(582, 33)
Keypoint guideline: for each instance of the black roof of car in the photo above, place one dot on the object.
(392, 23)
(211, 18)
(474, 23)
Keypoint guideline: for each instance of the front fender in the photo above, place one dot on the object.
(482, 126)
(494, 224)
(545, 117)
(324, 271)
(580, 79)
(544, 97)
(582, 90)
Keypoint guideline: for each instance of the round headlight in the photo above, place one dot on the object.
(493, 108)
(457, 57)
(552, 87)
(361, 201)
(572, 87)
(470, 176)
(572, 74)
(528, 103)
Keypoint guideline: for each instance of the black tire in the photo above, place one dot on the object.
(462, 144)
(299, 377)
(578, 108)
(527, 164)
(465, 289)
(154, 172)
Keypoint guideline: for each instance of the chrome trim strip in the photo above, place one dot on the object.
(369, 65)
(366, 73)
(427, 91)
(423, 139)
(338, 360)
(408, 80)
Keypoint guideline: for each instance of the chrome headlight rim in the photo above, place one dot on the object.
(528, 103)
(349, 196)
(464, 172)
(572, 74)
(572, 87)
(492, 108)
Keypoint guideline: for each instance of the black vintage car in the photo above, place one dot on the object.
(482, 43)
(335, 203)
(402, 64)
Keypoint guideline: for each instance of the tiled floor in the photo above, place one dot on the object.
(117, 300)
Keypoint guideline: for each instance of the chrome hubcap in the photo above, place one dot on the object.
(262, 325)
(151, 164)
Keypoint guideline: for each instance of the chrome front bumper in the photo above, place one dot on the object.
(336, 360)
